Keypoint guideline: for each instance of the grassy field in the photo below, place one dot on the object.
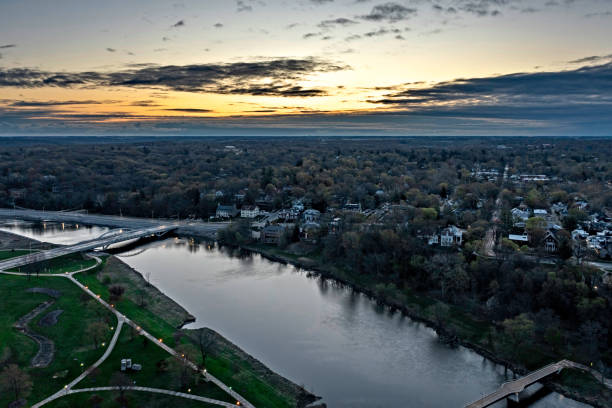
(69, 334)
(154, 371)
(62, 264)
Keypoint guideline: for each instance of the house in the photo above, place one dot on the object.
(579, 234)
(551, 242)
(540, 213)
(352, 207)
(451, 236)
(520, 239)
(226, 211)
(271, 234)
(309, 232)
(298, 206)
(559, 208)
(520, 214)
(249, 211)
(312, 215)
(334, 226)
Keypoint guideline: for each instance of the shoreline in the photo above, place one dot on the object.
(440, 330)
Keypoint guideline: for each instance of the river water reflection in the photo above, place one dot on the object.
(337, 343)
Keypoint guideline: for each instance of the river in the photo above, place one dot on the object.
(337, 343)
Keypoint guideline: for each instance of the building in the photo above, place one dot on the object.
(310, 231)
(249, 211)
(312, 215)
(271, 234)
(519, 238)
(352, 207)
(226, 211)
(451, 236)
(551, 242)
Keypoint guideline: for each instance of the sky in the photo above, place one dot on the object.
(306, 67)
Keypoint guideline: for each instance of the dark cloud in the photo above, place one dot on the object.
(110, 49)
(591, 59)
(321, 1)
(180, 23)
(5, 46)
(310, 35)
(54, 103)
(265, 77)
(383, 31)
(218, 25)
(390, 12)
(341, 21)
(586, 86)
(189, 110)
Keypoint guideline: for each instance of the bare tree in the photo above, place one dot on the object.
(205, 341)
(121, 381)
(179, 366)
(96, 331)
(16, 381)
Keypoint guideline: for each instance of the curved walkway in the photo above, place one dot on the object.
(46, 347)
(157, 391)
(121, 318)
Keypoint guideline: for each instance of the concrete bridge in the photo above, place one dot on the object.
(112, 237)
(513, 388)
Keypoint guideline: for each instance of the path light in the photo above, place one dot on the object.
(86, 287)
(161, 341)
(103, 344)
(237, 402)
(112, 328)
(189, 390)
(182, 355)
(98, 296)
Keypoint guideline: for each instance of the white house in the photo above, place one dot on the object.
(226, 211)
(579, 234)
(540, 213)
(520, 214)
(312, 215)
(249, 211)
(451, 236)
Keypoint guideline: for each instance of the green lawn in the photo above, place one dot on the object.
(71, 343)
(62, 264)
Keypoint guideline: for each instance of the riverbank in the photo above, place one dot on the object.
(164, 317)
(457, 327)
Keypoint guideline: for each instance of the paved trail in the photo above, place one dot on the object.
(121, 320)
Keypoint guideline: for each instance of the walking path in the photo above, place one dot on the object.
(46, 347)
(157, 391)
(122, 319)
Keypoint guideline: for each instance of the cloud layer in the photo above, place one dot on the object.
(276, 77)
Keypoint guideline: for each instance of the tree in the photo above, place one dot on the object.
(205, 343)
(96, 332)
(519, 330)
(116, 291)
(15, 381)
(179, 366)
(121, 382)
